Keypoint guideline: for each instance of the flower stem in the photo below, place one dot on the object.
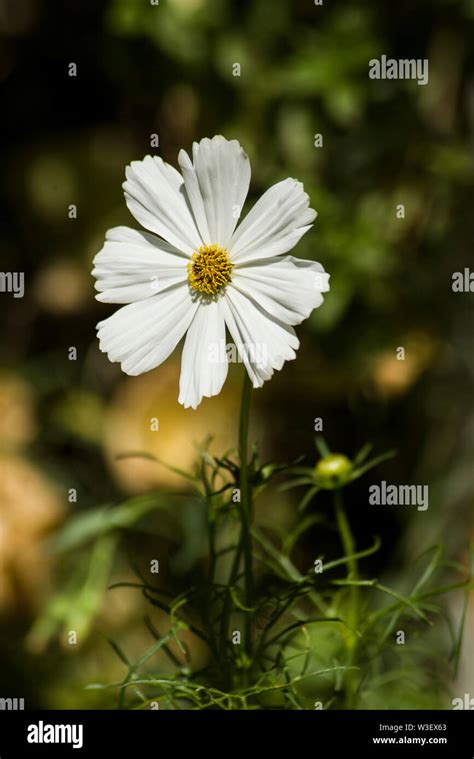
(349, 547)
(246, 510)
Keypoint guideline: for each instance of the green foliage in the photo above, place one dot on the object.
(323, 636)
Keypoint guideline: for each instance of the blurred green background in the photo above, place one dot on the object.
(168, 70)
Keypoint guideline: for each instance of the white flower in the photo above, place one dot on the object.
(193, 272)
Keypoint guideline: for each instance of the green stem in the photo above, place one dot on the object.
(349, 547)
(246, 510)
(226, 612)
(208, 600)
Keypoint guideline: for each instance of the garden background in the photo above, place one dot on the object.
(168, 70)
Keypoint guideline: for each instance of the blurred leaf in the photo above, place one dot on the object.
(87, 526)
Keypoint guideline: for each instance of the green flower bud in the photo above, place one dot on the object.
(333, 471)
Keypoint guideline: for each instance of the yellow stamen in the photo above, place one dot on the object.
(209, 269)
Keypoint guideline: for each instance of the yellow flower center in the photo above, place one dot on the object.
(209, 269)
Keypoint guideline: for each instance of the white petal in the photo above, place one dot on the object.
(287, 288)
(274, 225)
(217, 184)
(155, 195)
(142, 335)
(204, 361)
(263, 342)
(136, 265)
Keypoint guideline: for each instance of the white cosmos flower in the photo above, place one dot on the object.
(194, 273)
